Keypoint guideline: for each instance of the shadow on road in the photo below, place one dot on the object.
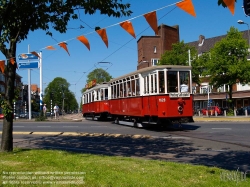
(177, 150)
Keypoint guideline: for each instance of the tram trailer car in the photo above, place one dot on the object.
(150, 96)
(95, 102)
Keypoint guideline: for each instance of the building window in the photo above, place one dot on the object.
(154, 61)
(154, 49)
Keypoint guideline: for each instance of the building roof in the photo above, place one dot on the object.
(203, 45)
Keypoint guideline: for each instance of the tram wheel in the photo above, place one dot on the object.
(116, 120)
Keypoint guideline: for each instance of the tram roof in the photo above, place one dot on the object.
(152, 68)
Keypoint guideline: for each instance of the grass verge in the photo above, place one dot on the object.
(25, 167)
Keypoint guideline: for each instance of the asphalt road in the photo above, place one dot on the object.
(221, 144)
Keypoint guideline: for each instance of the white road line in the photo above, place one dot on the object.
(18, 126)
(98, 126)
(43, 126)
(222, 128)
(70, 126)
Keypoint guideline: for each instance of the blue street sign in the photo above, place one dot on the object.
(27, 56)
(28, 65)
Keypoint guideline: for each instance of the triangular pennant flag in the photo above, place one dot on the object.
(35, 53)
(102, 33)
(127, 25)
(187, 6)
(230, 4)
(12, 61)
(2, 65)
(84, 41)
(152, 21)
(50, 47)
(64, 46)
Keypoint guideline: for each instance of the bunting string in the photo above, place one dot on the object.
(150, 17)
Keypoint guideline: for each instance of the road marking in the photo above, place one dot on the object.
(18, 126)
(99, 126)
(43, 126)
(70, 126)
(222, 128)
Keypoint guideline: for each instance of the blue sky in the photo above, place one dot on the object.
(211, 20)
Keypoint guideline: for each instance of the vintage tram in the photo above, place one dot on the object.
(149, 96)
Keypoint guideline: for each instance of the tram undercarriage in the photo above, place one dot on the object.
(150, 121)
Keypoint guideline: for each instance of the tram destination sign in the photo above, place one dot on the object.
(184, 94)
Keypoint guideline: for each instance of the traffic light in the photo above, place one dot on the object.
(51, 95)
(246, 7)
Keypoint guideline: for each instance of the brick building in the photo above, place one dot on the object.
(150, 48)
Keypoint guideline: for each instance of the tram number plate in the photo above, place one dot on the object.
(186, 94)
(162, 100)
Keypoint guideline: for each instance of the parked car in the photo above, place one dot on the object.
(1, 116)
(23, 115)
(211, 110)
(242, 110)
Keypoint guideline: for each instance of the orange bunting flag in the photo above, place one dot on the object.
(152, 21)
(230, 4)
(50, 47)
(127, 25)
(64, 46)
(187, 6)
(102, 33)
(84, 41)
(2, 65)
(12, 61)
(35, 53)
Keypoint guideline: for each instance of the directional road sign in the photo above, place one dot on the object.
(27, 65)
(27, 56)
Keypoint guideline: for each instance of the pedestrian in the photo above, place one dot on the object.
(56, 111)
(44, 109)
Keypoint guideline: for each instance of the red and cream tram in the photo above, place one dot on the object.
(149, 96)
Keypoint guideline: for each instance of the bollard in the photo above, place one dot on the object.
(246, 112)
(225, 113)
(199, 113)
(216, 113)
(206, 113)
(235, 112)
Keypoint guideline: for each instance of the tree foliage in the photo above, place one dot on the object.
(228, 61)
(58, 91)
(179, 55)
(100, 75)
(18, 18)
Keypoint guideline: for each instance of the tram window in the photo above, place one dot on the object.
(137, 82)
(93, 95)
(161, 82)
(184, 81)
(133, 87)
(152, 83)
(146, 84)
(172, 81)
(128, 88)
(115, 91)
(106, 94)
(97, 95)
(155, 83)
(118, 90)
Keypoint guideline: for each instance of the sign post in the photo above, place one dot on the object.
(25, 63)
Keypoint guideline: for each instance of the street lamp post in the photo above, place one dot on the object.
(242, 22)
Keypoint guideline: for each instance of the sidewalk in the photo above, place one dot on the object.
(221, 118)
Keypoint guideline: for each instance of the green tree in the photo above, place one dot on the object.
(18, 18)
(58, 91)
(179, 55)
(228, 63)
(100, 75)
